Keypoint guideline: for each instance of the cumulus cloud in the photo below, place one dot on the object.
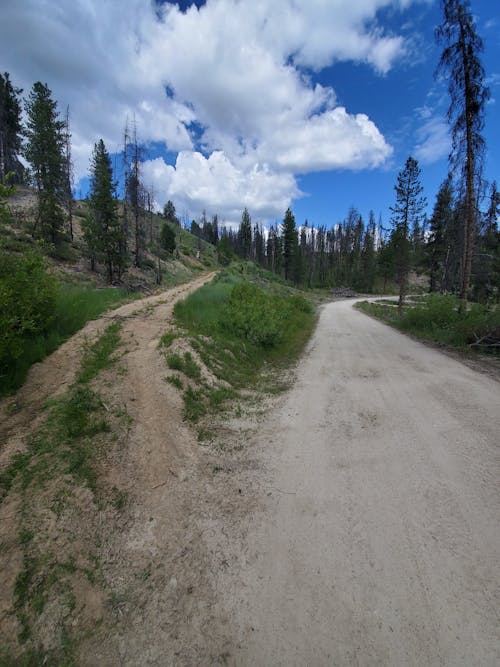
(237, 70)
(215, 184)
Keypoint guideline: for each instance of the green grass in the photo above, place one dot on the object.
(244, 323)
(186, 364)
(175, 381)
(74, 307)
(437, 318)
(65, 443)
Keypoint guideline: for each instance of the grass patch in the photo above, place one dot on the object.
(243, 325)
(437, 318)
(194, 404)
(74, 307)
(175, 381)
(99, 355)
(186, 364)
(167, 339)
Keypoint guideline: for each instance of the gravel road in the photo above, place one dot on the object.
(379, 539)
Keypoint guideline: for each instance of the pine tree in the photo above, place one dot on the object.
(167, 238)
(486, 263)
(406, 212)
(290, 245)
(45, 152)
(105, 230)
(245, 235)
(461, 63)
(169, 213)
(439, 246)
(10, 129)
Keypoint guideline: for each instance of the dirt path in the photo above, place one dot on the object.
(377, 541)
(53, 376)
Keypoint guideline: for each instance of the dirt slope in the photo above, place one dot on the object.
(377, 539)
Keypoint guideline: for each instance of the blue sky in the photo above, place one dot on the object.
(314, 104)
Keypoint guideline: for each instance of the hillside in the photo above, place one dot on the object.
(192, 255)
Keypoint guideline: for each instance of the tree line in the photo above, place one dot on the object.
(459, 245)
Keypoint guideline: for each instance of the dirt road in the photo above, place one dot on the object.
(378, 542)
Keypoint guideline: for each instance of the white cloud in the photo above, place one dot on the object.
(218, 186)
(433, 139)
(236, 68)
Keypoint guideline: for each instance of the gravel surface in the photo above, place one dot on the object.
(377, 541)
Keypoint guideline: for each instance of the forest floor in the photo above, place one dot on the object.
(351, 520)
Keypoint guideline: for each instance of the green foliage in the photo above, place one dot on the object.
(167, 238)
(175, 381)
(194, 406)
(167, 339)
(10, 136)
(102, 229)
(438, 318)
(65, 442)
(27, 306)
(98, 356)
(255, 316)
(72, 307)
(44, 151)
(186, 364)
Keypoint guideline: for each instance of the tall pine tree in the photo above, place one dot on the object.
(44, 150)
(103, 228)
(406, 213)
(461, 64)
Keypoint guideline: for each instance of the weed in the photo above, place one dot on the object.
(437, 318)
(190, 367)
(218, 395)
(167, 339)
(204, 435)
(73, 308)
(194, 406)
(174, 361)
(120, 499)
(98, 356)
(186, 364)
(174, 380)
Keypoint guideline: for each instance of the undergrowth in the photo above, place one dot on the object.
(73, 307)
(242, 325)
(437, 318)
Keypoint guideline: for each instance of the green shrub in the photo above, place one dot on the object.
(437, 317)
(72, 307)
(27, 304)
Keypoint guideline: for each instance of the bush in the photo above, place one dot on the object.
(250, 315)
(27, 303)
(167, 238)
(437, 317)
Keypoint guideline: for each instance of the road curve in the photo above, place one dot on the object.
(379, 540)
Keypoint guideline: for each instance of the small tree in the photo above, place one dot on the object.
(245, 235)
(170, 214)
(104, 229)
(44, 151)
(290, 245)
(406, 213)
(167, 238)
